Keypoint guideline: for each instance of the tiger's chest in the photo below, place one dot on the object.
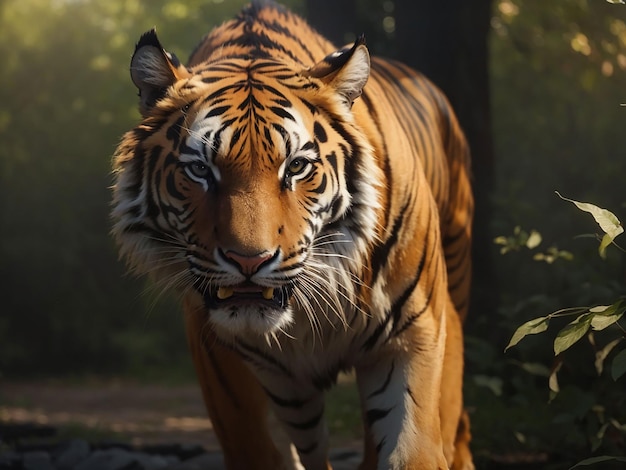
(321, 344)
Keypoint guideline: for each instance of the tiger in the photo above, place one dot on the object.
(312, 206)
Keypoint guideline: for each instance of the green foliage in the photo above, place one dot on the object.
(557, 81)
(587, 321)
(530, 240)
(597, 318)
(519, 239)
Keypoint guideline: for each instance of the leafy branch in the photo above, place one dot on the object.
(587, 318)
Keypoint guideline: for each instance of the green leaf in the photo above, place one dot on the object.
(571, 333)
(536, 368)
(613, 309)
(606, 241)
(492, 383)
(596, 441)
(599, 308)
(600, 322)
(616, 424)
(595, 460)
(602, 354)
(618, 367)
(607, 221)
(501, 240)
(553, 381)
(534, 240)
(531, 327)
(603, 316)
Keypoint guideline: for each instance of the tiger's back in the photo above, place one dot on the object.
(315, 211)
(414, 109)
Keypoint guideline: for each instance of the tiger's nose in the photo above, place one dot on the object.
(248, 265)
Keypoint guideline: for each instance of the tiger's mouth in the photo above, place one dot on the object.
(249, 295)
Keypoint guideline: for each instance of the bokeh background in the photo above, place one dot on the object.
(557, 81)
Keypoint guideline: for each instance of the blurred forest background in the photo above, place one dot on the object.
(557, 74)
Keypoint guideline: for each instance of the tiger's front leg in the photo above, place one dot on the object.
(300, 409)
(234, 399)
(400, 391)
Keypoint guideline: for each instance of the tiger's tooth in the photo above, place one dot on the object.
(224, 292)
(268, 293)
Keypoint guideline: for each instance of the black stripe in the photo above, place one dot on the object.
(221, 377)
(170, 183)
(236, 136)
(380, 445)
(280, 112)
(170, 160)
(319, 132)
(173, 132)
(307, 450)
(375, 336)
(411, 319)
(137, 164)
(217, 111)
(307, 425)
(260, 354)
(275, 91)
(398, 305)
(381, 254)
(410, 394)
(384, 385)
(284, 403)
(322, 186)
(152, 210)
(184, 148)
(376, 414)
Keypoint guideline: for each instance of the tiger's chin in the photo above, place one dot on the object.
(249, 309)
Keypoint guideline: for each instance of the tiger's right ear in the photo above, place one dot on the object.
(153, 70)
(346, 70)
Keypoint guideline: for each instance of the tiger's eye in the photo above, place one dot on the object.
(199, 169)
(297, 166)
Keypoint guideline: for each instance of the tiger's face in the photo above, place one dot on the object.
(248, 184)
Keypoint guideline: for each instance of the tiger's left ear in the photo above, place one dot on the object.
(153, 70)
(345, 70)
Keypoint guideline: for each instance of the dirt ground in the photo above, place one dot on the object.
(135, 413)
(139, 414)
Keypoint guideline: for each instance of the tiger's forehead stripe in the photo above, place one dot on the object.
(256, 110)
